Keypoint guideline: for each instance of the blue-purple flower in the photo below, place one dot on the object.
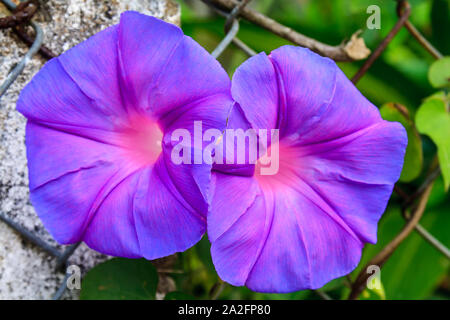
(338, 161)
(98, 138)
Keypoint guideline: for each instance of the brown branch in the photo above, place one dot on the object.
(29, 40)
(400, 192)
(388, 250)
(216, 289)
(354, 49)
(419, 37)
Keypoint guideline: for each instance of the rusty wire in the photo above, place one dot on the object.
(20, 15)
(22, 33)
(233, 10)
(34, 47)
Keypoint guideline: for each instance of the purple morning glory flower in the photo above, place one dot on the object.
(98, 138)
(338, 161)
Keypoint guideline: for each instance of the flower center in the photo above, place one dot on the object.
(279, 167)
(142, 140)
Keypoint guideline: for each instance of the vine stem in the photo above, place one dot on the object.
(216, 289)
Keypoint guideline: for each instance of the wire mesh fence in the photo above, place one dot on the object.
(233, 11)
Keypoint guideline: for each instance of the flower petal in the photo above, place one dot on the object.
(338, 163)
(151, 213)
(212, 111)
(52, 98)
(348, 112)
(112, 230)
(145, 46)
(69, 178)
(191, 74)
(86, 190)
(255, 87)
(229, 191)
(304, 248)
(231, 149)
(94, 66)
(171, 72)
(282, 242)
(235, 222)
(306, 84)
(52, 153)
(303, 94)
(99, 112)
(165, 222)
(355, 174)
(191, 181)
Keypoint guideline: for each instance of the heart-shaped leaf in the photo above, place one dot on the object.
(433, 120)
(439, 73)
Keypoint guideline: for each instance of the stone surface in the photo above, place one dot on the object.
(26, 272)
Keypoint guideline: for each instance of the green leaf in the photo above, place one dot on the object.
(120, 279)
(433, 120)
(333, 284)
(176, 295)
(413, 156)
(439, 73)
(203, 250)
(439, 195)
(243, 293)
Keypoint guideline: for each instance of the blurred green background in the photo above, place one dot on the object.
(416, 270)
